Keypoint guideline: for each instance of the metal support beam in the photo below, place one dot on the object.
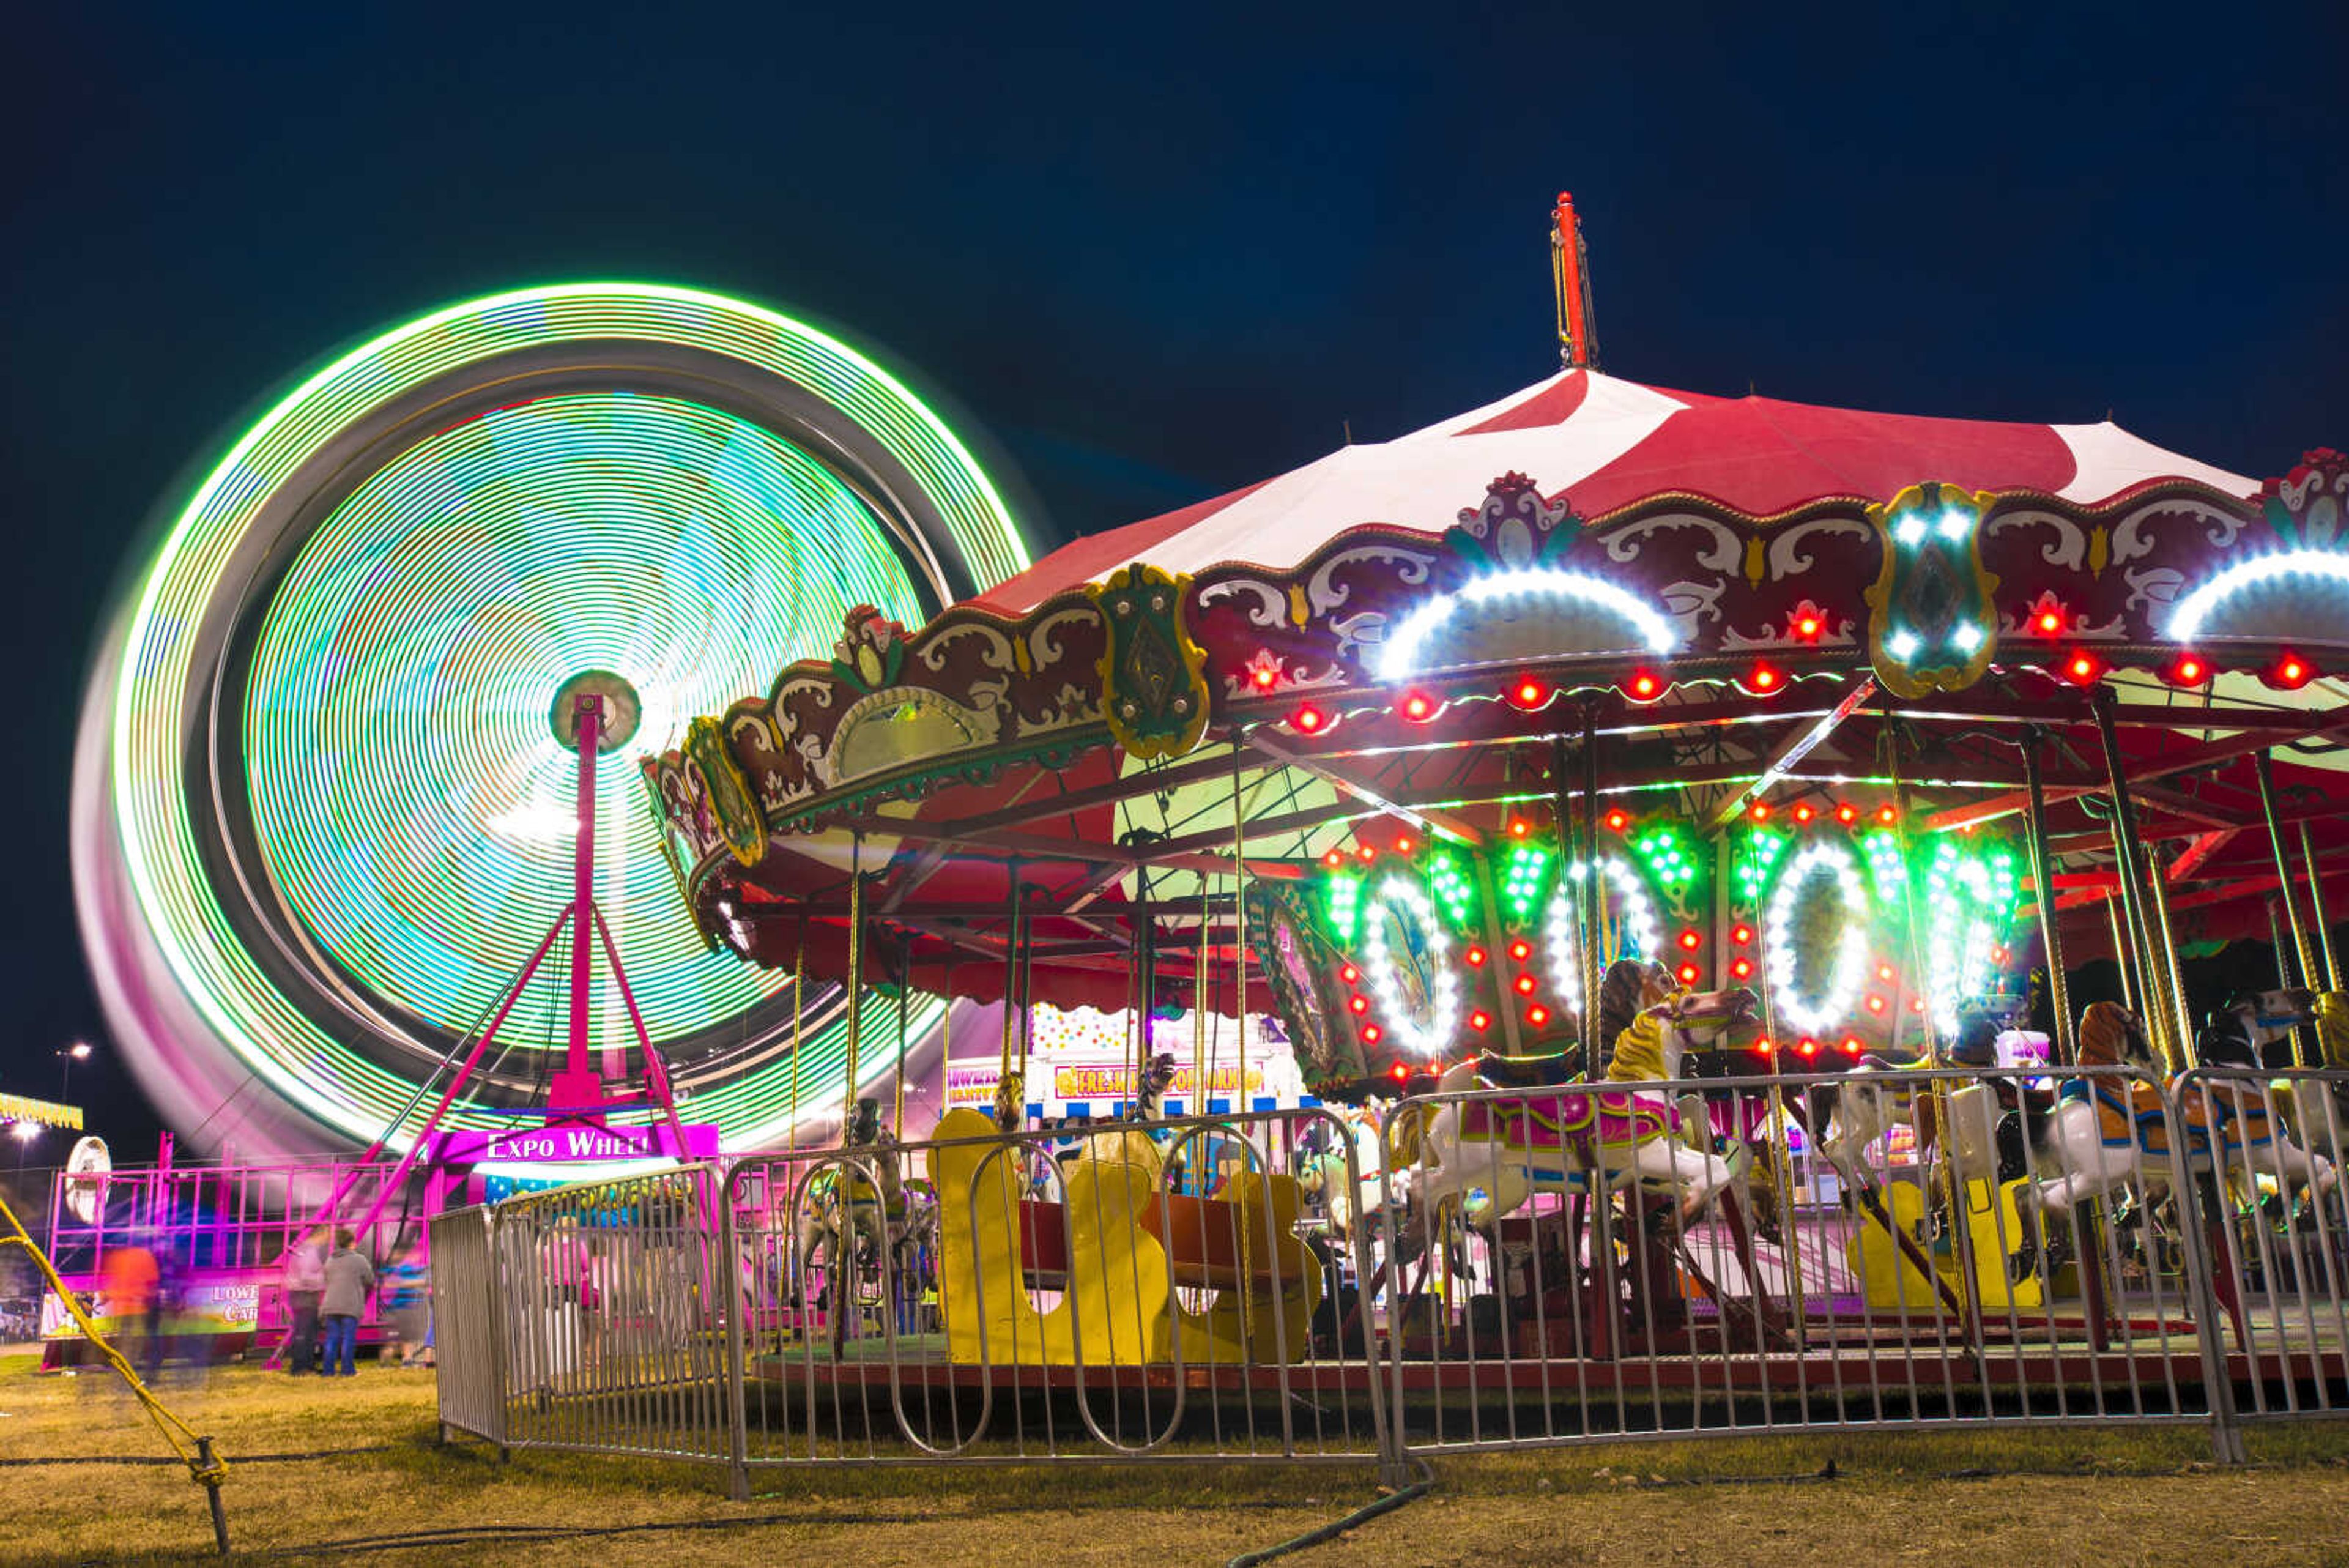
(1786, 753)
(2263, 769)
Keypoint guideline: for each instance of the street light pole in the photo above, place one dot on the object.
(77, 1052)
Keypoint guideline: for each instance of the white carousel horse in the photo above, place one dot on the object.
(1487, 1158)
(1321, 1173)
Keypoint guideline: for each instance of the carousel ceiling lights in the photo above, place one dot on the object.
(2192, 613)
(1833, 999)
(1403, 650)
(1642, 932)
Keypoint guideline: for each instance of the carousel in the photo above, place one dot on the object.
(1600, 735)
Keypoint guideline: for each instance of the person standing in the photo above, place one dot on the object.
(349, 1278)
(304, 1279)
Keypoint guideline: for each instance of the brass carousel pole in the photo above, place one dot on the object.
(2263, 768)
(2157, 1011)
(2129, 989)
(1010, 1102)
(1590, 903)
(2172, 973)
(2316, 907)
(799, 1016)
(2043, 879)
(855, 975)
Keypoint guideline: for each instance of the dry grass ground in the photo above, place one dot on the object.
(2060, 1498)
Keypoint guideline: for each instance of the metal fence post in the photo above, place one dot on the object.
(728, 1274)
(2219, 1388)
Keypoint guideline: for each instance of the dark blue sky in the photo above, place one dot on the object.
(1154, 252)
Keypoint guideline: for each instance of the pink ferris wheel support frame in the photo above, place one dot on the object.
(593, 711)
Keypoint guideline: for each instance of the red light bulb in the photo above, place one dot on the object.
(1402, 844)
(1742, 969)
(1480, 1020)
(1335, 858)
(1350, 974)
(1399, 1072)
(1846, 814)
(1807, 628)
(1804, 812)
(1520, 827)
(1887, 815)
(1691, 941)
(1359, 1003)
(1418, 705)
(1688, 973)
(1475, 957)
(2291, 671)
(1763, 678)
(1876, 1004)
(1538, 1016)
(1529, 692)
(1759, 811)
(1616, 821)
(1521, 949)
(1643, 687)
(1741, 933)
(1525, 985)
(2049, 623)
(1371, 1034)
(1309, 720)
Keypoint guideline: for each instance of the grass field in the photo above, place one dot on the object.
(2083, 1497)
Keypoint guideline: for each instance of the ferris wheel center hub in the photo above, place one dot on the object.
(616, 727)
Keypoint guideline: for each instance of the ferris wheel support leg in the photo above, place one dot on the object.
(432, 1122)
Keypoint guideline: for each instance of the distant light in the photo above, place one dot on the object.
(78, 1051)
(26, 1131)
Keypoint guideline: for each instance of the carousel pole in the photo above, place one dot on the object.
(798, 1019)
(2263, 769)
(1010, 1109)
(2276, 940)
(2316, 907)
(1590, 905)
(2173, 975)
(2129, 854)
(2051, 941)
(855, 976)
(2129, 989)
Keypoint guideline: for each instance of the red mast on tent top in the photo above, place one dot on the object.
(1569, 268)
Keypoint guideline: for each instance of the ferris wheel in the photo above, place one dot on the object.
(321, 821)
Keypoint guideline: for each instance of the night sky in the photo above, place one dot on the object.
(1149, 253)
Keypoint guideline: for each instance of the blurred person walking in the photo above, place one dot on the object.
(349, 1278)
(304, 1279)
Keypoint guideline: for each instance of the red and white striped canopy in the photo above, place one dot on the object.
(1606, 443)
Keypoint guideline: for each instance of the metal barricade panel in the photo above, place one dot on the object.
(468, 1382)
(1872, 1247)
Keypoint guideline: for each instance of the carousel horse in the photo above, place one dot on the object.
(2227, 1119)
(1128, 1140)
(1488, 1157)
(846, 1213)
(1322, 1168)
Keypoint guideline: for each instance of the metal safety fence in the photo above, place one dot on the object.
(1872, 1247)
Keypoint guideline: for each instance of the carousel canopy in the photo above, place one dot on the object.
(1611, 444)
(1357, 743)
